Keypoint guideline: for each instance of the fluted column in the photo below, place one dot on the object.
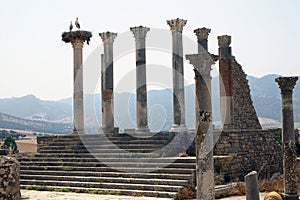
(287, 85)
(176, 26)
(226, 82)
(141, 87)
(204, 135)
(77, 38)
(108, 82)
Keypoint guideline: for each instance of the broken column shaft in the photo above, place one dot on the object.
(226, 82)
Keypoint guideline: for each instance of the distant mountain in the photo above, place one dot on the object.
(265, 95)
(33, 108)
(11, 122)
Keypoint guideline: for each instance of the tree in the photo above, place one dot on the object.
(10, 142)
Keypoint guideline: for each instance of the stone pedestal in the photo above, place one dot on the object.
(287, 85)
(252, 192)
(204, 134)
(77, 38)
(141, 87)
(226, 82)
(108, 83)
(176, 26)
(10, 178)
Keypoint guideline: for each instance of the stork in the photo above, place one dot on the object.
(77, 23)
(71, 26)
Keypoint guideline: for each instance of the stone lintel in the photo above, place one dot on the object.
(224, 41)
(139, 32)
(286, 84)
(202, 33)
(76, 37)
(176, 24)
(201, 62)
(108, 37)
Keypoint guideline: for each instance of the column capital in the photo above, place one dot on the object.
(76, 37)
(176, 24)
(202, 33)
(201, 62)
(286, 84)
(108, 37)
(224, 40)
(77, 43)
(139, 32)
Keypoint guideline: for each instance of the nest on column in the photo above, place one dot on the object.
(76, 35)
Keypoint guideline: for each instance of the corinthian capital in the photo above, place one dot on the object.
(176, 24)
(108, 37)
(224, 40)
(139, 32)
(286, 84)
(202, 33)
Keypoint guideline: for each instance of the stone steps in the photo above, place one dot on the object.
(117, 163)
(153, 181)
(147, 193)
(98, 150)
(106, 160)
(109, 169)
(112, 164)
(150, 175)
(151, 187)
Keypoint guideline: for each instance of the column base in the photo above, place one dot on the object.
(179, 128)
(142, 130)
(290, 196)
(107, 130)
(78, 132)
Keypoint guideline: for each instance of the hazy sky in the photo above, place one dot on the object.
(34, 60)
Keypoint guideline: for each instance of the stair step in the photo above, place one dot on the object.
(147, 160)
(149, 181)
(111, 164)
(109, 169)
(102, 185)
(147, 193)
(107, 174)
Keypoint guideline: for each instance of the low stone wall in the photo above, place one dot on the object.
(250, 150)
(9, 178)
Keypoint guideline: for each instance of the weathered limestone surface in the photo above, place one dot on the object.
(252, 192)
(141, 83)
(250, 151)
(204, 135)
(108, 82)
(176, 26)
(77, 38)
(287, 85)
(9, 179)
(237, 110)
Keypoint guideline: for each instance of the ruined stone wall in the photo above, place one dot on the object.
(243, 114)
(250, 150)
(9, 178)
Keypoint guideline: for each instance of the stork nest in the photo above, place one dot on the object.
(76, 35)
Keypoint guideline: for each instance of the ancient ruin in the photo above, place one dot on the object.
(109, 162)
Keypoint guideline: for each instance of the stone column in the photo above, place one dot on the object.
(141, 87)
(226, 82)
(77, 38)
(102, 86)
(287, 85)
(204, 134)
(176, 26)
(108, 82)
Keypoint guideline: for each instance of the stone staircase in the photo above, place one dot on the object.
(109, 164)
